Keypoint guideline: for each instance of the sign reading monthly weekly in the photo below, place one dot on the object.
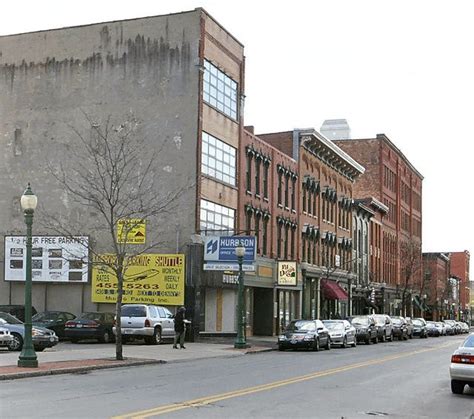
(53, 258)
(149, 278)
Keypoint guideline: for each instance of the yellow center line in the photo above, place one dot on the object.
(264, 387)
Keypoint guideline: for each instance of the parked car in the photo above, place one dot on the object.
(452, 324)
(432, 329)
(90, 325)
(53, 320)
(384, 327)
(341, 332)
(399, 327)
(441, 328)
(366, 329)
(409, 324)
(42, 338)
(310, 334)
(149, 322)
(461, 369)
(16, 310)
(5, 337)
(450, 330)
(419, 327)
(464, 327)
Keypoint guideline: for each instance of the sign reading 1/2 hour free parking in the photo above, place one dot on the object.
(149, 278)
(219, 253)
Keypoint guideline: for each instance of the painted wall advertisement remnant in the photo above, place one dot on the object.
(149, 278)
(53, 258)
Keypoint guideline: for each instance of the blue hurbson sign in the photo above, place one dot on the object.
(219, 253)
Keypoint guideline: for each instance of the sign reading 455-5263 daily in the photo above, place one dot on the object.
(149, 278)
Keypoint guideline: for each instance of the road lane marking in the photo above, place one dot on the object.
(203, 401)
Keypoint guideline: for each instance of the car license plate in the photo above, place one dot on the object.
(127, 331)
(79, 325)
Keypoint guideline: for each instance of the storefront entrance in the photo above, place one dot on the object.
(288, 308)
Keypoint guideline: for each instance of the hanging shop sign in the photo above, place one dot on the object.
(53, 258)
(287, 273)
(149, 278)
(131, 231)
(219, 253)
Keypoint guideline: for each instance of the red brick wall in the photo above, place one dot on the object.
(460, 268)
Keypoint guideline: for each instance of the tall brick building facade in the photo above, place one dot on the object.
(394, 181)
(460, 262)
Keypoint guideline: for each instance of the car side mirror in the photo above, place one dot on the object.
(320, 328)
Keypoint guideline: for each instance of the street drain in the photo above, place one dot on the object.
(376, 413)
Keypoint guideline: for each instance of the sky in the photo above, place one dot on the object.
(402, 68)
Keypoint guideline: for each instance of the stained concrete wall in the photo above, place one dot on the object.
(48, 79)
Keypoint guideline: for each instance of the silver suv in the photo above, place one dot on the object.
(149, 322)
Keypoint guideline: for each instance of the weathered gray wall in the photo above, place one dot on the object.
(146, 66)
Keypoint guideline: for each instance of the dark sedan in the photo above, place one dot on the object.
(53, 320)
(399, 328)
(91, 325)
(432, 329)
(419, 328)
(309, 334)
(366, 329)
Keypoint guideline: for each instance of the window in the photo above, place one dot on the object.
(258, 161)
(257, 229)
(279, 227)
(280, 180)
(292, 254)
(264, 236)
(249, 172)
(218, 159)
(293, 192)
(287, 189)
(286, 242)
(215, 217)
(265, 180)
(304, 198)
(219, 90)
(248, 222)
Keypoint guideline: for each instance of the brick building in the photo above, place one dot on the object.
(182, 75)
(437, 296)
(460, 269)
(326, 181)
(394, 181)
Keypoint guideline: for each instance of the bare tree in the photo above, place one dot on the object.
(410, 266)
(112, 176)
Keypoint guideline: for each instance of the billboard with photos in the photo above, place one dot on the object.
(53, 258)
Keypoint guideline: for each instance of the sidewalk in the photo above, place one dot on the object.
(81, 358)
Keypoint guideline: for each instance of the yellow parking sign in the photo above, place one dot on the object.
(131, 231)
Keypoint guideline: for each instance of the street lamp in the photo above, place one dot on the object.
(27, 357)
(240, 341)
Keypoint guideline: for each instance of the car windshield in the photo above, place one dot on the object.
(469, 342)
(134, 311)
(301, 326)
(44, 317)
(9, 318)
(379, 320)
(334, 326)
(417, 322)
(360, 320)
(396, 321)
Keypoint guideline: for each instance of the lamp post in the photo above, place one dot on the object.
(27, 357)
(240, 341)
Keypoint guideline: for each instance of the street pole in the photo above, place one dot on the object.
(240, 342)
(28, 356)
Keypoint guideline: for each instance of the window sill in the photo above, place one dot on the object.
(265, 198)
(248, 193)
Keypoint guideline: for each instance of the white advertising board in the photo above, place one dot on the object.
(53, 258)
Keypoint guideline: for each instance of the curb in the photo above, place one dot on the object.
(119, 364)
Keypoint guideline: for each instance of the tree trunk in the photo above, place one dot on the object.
(118, 310)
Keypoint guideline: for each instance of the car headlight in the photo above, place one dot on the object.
(281, 337)
(37, 332)
(308, 337)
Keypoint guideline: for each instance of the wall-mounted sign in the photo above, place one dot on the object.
(53, 258)
(149, 278)
(219, 253)
(131, 231)
(287, 273)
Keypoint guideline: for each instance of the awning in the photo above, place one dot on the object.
(332, 290)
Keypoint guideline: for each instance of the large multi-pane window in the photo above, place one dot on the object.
(215, 217)
(218, 159)
(220, 91)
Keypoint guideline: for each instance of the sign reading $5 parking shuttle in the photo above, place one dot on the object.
(149, 278)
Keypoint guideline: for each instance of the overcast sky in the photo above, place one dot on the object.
(403, 68)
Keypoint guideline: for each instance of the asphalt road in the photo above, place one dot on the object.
(408, 379)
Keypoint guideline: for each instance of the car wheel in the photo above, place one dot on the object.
(281, 348)
(16, 343)
(376, 339)
(156, 338)
(344, 342)
(74, 340)
(368, 341)
(105, 338)
(457, 387)
(384, 338)
(391, 337)
(354, 344)
(316, 345)
(328, 344)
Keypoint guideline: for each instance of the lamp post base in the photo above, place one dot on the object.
(28, 361)
(241, 345)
